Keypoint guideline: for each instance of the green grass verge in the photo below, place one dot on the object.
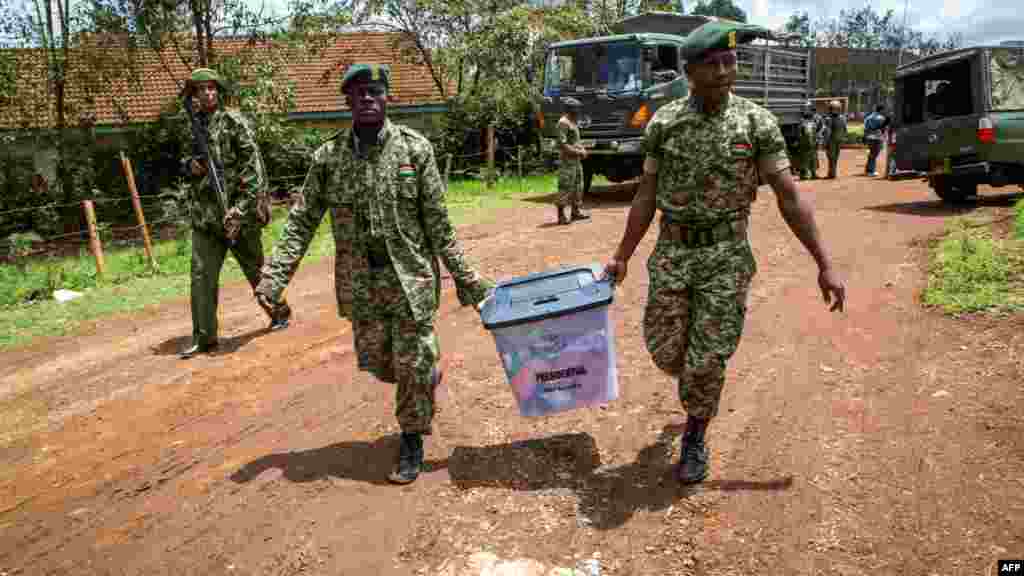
(973, 272)
(1019, 228)
(130, 286)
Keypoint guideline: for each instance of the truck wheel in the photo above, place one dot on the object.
(952, 191)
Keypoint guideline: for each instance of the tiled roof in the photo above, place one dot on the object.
(315, 78)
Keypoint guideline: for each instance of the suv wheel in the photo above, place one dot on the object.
(951, 190)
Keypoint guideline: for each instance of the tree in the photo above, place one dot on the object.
(799, 26)
(720, 8)
(57, 67)
(482, 54)
(866, 29)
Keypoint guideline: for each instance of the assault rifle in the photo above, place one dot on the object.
(201, 151)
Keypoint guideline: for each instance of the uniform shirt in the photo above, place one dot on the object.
(808, 138)
(836, 127)
(569, 134)
(709, 165)
(393, 196)
(234, 151)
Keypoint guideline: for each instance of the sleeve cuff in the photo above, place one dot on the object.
(772, 163)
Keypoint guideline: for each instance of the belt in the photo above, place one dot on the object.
(703, 235)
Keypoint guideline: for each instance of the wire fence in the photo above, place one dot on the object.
(170, 209)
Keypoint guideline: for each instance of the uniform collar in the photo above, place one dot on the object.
(382, 137)
(694, 104)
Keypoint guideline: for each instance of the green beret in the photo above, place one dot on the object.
(373, 72)
(719, 35)
(203, 75)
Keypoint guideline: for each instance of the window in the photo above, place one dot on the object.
(613, 66)
(664, 63)
(938, 93)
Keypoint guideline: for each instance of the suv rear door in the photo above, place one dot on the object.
(938, 110)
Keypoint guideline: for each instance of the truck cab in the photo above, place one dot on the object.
(624, 78)
(959, 119)
(621, 81)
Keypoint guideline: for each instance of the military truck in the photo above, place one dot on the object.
(623, 79)
(959, 119)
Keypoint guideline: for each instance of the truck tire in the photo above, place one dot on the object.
(953, 191)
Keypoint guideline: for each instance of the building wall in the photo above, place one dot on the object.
(864, 76)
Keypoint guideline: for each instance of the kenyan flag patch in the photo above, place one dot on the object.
(406, 171)
(741, 150)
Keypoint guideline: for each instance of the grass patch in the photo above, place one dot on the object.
(1019, 224)
(470, 201)
(973, 272)
(130, 286)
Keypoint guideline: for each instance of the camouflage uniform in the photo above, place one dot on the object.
(836, 134)
(234, 151)
(808, 150)
(390, 225)
(570, 171)
(708, 170)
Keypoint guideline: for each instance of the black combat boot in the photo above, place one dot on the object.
(198, 349)
(410, 459)
(281, 317)
(693, 463)
(561, 216)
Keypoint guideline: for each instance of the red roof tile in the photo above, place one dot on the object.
(316, 80)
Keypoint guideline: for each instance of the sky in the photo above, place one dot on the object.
(979, 21)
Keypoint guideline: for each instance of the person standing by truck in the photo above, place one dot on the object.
(875, 126)
(808, 146)
(570, 171)
(704, 157)
(836, 123)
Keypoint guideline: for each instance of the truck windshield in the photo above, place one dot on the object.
(608, 66)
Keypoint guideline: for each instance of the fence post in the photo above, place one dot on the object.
(490, 155)
(126, 165)
(447, 167)
(519, 162)
(94, 239)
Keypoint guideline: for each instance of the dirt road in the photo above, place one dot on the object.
(887, 440)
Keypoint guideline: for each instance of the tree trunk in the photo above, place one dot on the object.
(196, 7)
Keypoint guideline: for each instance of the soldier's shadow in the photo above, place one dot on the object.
(228, 345)
(608, 498)
(369, 462)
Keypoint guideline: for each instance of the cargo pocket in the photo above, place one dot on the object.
(667, 321)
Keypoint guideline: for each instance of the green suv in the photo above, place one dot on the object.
(959, 119)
